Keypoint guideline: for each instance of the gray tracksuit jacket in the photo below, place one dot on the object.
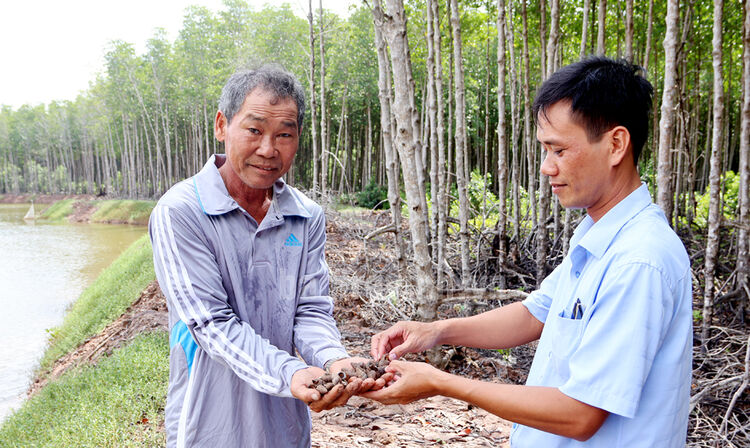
(242, 298)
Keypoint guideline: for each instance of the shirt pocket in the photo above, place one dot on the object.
(565, 338)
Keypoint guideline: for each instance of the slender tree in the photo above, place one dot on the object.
(463, 202)
(743, 258)
(502, 150)
(394, 25)
(600, 35)
(712, 241)
(313, 110)
(668, 111)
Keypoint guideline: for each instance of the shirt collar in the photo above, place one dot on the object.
(596, 237)
(214, 198)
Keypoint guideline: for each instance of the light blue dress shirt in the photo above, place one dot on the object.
(628, 349)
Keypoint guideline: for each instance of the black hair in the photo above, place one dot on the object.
(272, 78)
(603, 93)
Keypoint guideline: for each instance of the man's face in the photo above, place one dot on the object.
(579, 170)
(262, 138)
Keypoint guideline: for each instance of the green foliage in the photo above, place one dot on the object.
(117, 403)
(59, 211)
(127, 212)
(104, 301)
(730, 198)
(374, 196)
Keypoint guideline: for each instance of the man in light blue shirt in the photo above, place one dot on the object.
(240, 257)
(614, 320)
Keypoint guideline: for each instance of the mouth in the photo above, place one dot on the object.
(556, 187)
(263, 167)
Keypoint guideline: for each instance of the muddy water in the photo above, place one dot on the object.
(43, 269)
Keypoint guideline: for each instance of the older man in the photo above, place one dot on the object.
(240, 256)
(614, 320)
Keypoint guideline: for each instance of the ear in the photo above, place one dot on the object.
(220, 126)
(620, 145)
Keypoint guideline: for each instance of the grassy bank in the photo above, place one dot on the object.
(120, 401)
(104, 301)
(121, 211)
(117, 403)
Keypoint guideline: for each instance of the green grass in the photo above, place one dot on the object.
(58, 211)
(123, 211)
(118, 403)
(106, 299)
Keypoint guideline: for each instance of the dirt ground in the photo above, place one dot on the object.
(359, 269)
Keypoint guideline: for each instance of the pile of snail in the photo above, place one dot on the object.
(363, 370)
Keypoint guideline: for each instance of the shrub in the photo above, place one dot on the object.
(374, 196)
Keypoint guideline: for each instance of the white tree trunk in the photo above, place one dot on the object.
(323, 114)
(394, 198)
(502, 159)
(442, 228)
(629, 30)
(668, 111)
(600, 35)
(394, 25)
(463, 201)
(743, 264)
(585, 27)
(313, 111)
(712, 241)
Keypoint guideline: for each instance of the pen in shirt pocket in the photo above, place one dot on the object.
(577, 310)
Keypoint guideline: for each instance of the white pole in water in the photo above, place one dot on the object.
(30, 214)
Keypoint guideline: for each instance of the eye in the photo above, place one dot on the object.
(253, 131)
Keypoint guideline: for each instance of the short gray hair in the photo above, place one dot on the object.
(271, 78)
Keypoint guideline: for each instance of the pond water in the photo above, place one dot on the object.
(43, 269)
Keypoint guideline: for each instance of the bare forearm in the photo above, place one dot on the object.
(543, 408)
(504, 327)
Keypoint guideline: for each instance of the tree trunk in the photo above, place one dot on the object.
(743, 263)
(463, 201)
(323, 112)
(542, 235)
(528, 142)
(714, 217)
(584, 27)
(432, 118)
(600, 36)
(394, 24)
(629, 30)
(665, 192)
(502, 150)
(394, 198)
(441, 199)
(543, 53)
(313, 111)
(515, 115)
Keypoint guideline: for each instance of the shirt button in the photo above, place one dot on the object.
(578, 274)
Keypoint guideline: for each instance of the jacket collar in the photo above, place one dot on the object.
(214, 198)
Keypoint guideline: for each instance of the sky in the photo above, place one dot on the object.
(52, 49)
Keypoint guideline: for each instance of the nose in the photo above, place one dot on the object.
(548, 167)
(266, 147)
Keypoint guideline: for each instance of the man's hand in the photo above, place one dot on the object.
(404, 337)
(413, 381)
(303, 390)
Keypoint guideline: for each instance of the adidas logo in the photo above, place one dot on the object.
(292, 241)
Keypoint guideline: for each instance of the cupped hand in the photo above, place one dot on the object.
(412, 381)
(404, 337)
(302, 389)
(368, 384)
